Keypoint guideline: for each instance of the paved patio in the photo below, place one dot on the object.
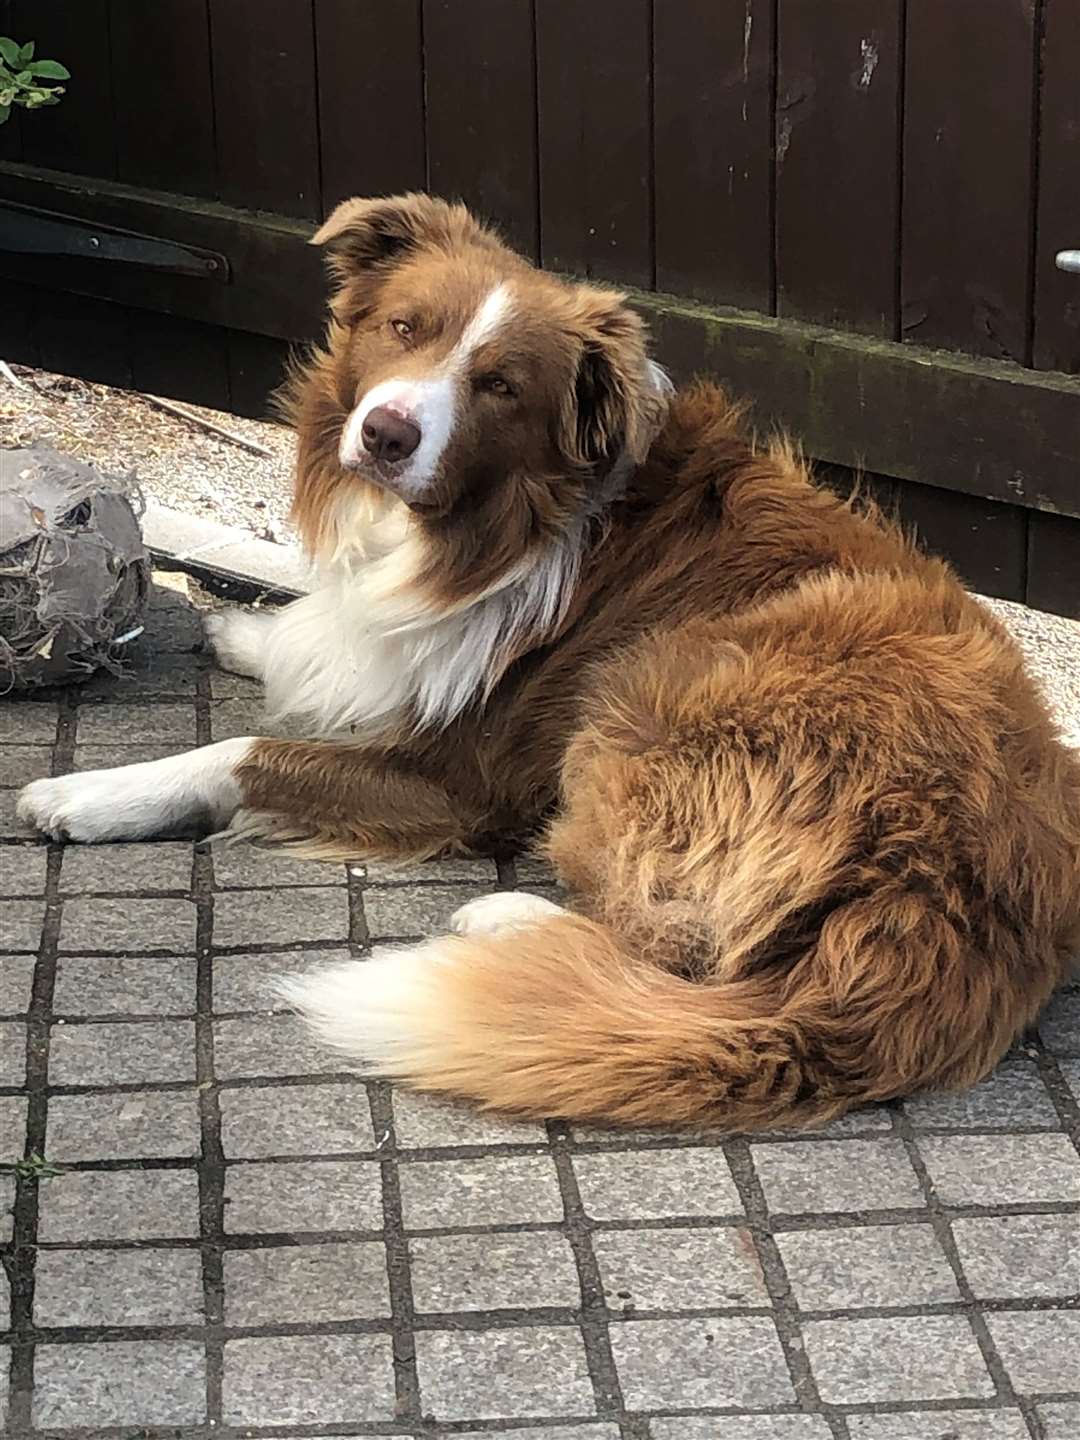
(213, 1233)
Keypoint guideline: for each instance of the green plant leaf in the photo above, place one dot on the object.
(7, 95)
(26, 54)
(24, 78)
(5, 111)
(10, 51)
(6, 77)
(49, 70)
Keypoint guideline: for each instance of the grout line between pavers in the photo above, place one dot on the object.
(211, 1168)
(786, 1317)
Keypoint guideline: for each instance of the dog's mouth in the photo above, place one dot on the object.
(392, 476)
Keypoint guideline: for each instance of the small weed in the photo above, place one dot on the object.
(35, 1167)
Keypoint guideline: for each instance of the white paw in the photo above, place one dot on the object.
(505, 910)
(72, 807)
(238, 639)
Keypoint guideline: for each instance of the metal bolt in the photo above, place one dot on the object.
(1068, 260)
(95, 242)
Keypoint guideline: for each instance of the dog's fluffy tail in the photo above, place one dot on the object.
(557, 1020)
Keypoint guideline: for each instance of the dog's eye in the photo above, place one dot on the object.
(403, 328)
(495, 385)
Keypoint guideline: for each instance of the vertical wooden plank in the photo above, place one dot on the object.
(713, 69)
(481, 110)
(968, 113)
(837, 170)
(1057, 294)
(78, 335)
(263, 59)
(371, 98)
(78, 134)
(163, 95)
(1054, 563)
(256, 369)
(179, 358)
(594, 105)
(18, 323)
(986, 541)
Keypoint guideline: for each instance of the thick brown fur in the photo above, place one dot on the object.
(823, 838)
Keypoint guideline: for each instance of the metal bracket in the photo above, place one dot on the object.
(30, 231)
(1068, 260)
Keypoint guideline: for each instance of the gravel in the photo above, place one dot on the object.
(181, 465)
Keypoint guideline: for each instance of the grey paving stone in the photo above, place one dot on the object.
(28, 722)
(503, 1374)
(122, 984)
(401, 911)
(940, 1425)
(244, 982)
(1019, 1256)
(173, 626)
(116, 1053)
(129, 1125)
(5, 1320)
(481, 873)
(16, 981)
(238, 715)
(557, 1432)
(679, 1269)
(1060, 1024)
(1070, 1069)
(814, 1176)
(494, 1190)
(655, 1184)
(743, 1427)
(1013, 1096)
(925, 1357)
(270, 1045)
(298, 914)
(19, 764)
(308, 1380)
(224, 686)
(12, 1127)
(868, 1120)
(12, 1053)
(493, 1272)
(119, 1205)
(7, 1199)
(1001, 1169)
(127, 924)
(130, 1382)
(101, 869)
(1040, 1351)
(698, 1363)
(1061, 1421)
(240, 865)
(22, 869)
(311, 1195)
(306, 1284)
(109, 724)
(20, 924)
(118, 1287)
(108, 757)
(422, 1122)
(877, 1265)
(327, 1119)
(149, 675)
(11, 827)
(534, 870)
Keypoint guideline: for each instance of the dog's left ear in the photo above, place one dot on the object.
(619, 399)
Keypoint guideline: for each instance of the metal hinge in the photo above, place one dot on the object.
(1068, 260)
(30, 231)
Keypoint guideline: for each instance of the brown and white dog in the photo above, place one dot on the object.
(824, 842)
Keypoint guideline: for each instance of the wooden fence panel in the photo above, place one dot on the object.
(1057, 294)
(713, 106)
(163, 95)
(594, 125)
(967, 198)
(78, 135)
(481, 110)
(265, 108)
(371, 98)
(837, 163)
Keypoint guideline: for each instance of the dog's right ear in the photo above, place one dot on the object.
(371, 234)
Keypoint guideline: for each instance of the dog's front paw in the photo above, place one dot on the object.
(238, 639)
(505, 910)
(70, 807)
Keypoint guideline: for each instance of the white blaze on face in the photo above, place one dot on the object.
(429, 401)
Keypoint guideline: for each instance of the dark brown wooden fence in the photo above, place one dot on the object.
(857, 202)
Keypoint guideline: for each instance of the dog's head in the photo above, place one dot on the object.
(478, 391)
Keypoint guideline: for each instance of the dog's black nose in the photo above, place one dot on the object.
(388, 435)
